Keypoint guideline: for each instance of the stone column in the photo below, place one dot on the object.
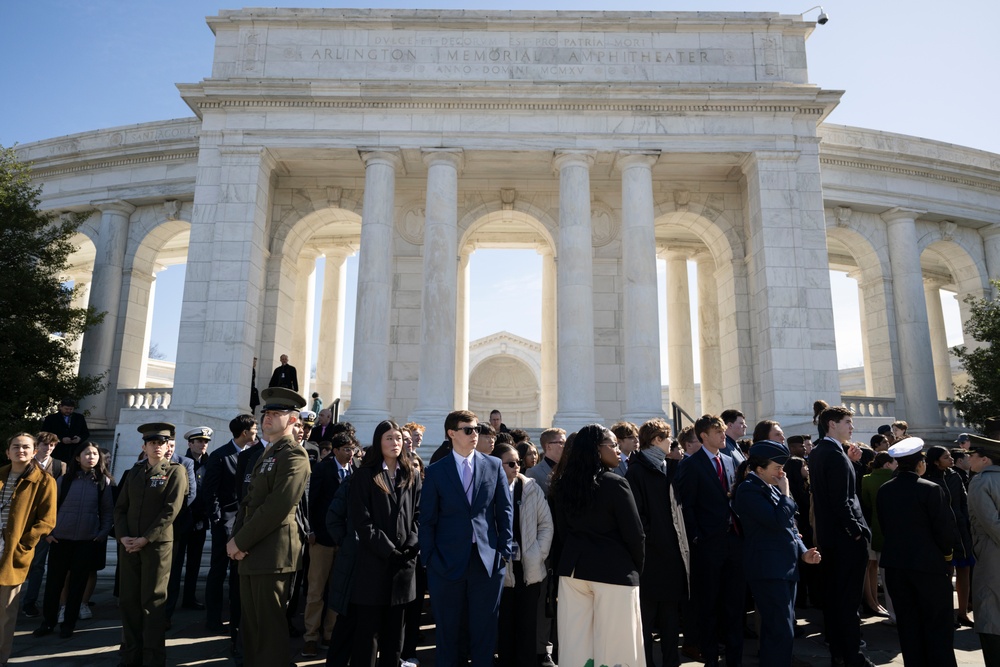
(791, 309)
(915, 350)
(147, 335)
(220, 316)
(462, 339)
(303, 321)
(81, 298)
(370, 377)
(550, 360)
(680, 352)
(866, 354)
(708, 332)
(439, 312)
(640, 313)
(100, 342)
(939, 340)
(991, 248)
(330, 356)
(575, 293)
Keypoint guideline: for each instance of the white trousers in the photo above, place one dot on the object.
(599, 621)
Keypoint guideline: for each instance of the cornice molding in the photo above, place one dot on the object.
(905, 171)
(38, 174)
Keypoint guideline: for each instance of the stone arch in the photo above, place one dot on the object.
(878, 319)
(710, 225)
(967, 266)
(492, 212)
(506, 383)
(298, 225)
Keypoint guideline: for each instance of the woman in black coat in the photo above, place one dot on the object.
(601, 555)
(384, 502)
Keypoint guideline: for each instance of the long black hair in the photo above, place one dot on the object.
(577, 486)
(100, 469)
(374, 459)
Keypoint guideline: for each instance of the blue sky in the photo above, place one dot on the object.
(922, 68)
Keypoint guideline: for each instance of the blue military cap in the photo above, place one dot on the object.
(769, 449)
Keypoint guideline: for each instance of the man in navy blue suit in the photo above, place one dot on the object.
(466, 523)
(704, 483)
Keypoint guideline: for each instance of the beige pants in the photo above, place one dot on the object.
(320, 565)
(10, 603)
(599, 621)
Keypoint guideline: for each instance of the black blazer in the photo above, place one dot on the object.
(918, 526)
(323, 487)
(219, 488)
(666, 579)
(386, 526)
(320, 434)
(605, 542)
(285, 376)
(55, 423)
(836, 509)
(707, 513)
(244, 467)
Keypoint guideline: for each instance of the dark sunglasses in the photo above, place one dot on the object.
(513, 464)
(468, 430)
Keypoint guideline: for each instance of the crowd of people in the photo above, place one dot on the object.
(591, 547)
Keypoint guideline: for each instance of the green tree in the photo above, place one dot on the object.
(980, 398)
(39, 322)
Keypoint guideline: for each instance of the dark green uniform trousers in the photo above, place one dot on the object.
(144, 578)
(263, 626)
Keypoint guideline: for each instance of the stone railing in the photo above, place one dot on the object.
(950, 417)
(870, 406)
(145, 399)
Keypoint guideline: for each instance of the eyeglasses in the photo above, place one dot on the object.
(612, 445)
(468, 430)
(512, 464)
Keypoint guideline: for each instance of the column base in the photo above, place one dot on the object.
(364, 422)
(641, 416)
(432, 419)
(574, 421)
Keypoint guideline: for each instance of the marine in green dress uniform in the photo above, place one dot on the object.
(266, 538)
(150, 499)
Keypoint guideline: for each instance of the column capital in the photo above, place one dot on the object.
(113, 206)
(898, 213)
(990, 232)
(338, 252)
(259, 154)
(856, 274)
(637, 158)
(451, 156)
(568, 158)
(935, 282)
(392, 157)
(544, 249)
(702, 256)
(680, 252)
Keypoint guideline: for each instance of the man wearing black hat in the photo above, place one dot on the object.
(265, 536)
(918, 531)
(984, 507)
(69, 426)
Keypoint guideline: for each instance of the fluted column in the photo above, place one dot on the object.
(575, 293)
(939, 339)
(640, 313)
(105, 296)
(81, 298)
(680, 353)
(462, 342)
(303, 319)
(708, 333)
(330, 355)
(550, 357)
(370, 379)
(915, 352)
(439, 315)
(866, 354)
(147, 335)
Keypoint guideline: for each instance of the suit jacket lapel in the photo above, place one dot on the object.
(451, 472)
(478, 475)
(709, 465)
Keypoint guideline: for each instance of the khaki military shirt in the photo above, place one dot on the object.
(265, 525)
(150, 500)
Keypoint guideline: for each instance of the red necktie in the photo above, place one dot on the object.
(722, 474)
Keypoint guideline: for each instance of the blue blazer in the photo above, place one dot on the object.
(704, 503)
(448, 521)
(772, 546)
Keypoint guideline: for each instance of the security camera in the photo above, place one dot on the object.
(823, 18)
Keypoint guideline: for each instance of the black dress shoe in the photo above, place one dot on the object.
(42, 630)
(193, 604)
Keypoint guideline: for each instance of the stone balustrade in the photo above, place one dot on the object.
(145, 399)
(950, 417)
(871, 406)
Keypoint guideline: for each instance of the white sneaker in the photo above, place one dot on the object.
(85, 612)
(62, 614)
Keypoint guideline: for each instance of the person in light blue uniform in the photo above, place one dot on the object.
(772, 549)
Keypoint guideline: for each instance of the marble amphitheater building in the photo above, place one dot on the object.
(604, 141)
